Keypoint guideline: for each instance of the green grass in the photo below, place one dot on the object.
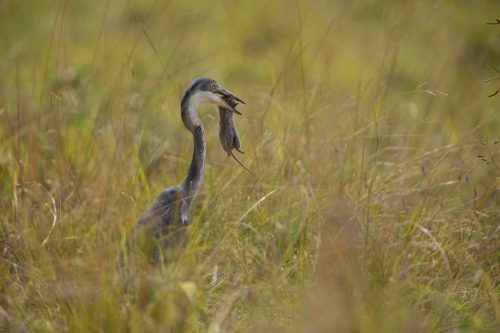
(369, 125)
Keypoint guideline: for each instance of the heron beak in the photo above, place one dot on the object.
(222, 103)
(223, 92)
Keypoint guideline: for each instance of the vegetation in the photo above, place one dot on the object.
(376, 202)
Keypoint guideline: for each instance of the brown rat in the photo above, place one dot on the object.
(228, 135)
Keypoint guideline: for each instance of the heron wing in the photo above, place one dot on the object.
(162, 212)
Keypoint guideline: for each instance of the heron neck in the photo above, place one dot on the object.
(194, 178)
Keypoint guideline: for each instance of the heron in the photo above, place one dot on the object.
(165, 220)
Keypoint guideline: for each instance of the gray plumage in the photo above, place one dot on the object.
(163, 224)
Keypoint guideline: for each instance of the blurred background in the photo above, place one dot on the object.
(369, 126)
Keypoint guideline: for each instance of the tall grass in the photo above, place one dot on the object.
(376, 205)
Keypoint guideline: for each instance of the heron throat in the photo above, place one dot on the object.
(194, 178)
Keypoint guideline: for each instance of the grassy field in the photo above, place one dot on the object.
(376, 206)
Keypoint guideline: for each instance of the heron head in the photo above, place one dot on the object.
(206, 90)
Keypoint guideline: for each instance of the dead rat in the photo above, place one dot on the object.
(228, 134)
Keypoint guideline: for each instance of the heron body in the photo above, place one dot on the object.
(164, 222)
